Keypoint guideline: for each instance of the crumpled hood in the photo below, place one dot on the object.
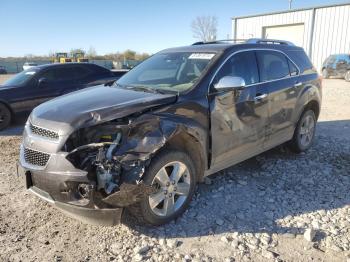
(94, 105)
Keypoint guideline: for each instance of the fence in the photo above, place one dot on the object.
(17, 66)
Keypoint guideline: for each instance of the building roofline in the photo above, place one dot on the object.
(290, 11)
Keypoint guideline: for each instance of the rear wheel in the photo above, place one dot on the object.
(5, 117)
(347, 76)
(325, 73)
(304, 132)
(172, 173)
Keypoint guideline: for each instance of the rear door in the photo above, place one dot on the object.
(281, 77)
(238, 118)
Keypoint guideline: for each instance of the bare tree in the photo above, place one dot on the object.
(205, 28)
(91, 52)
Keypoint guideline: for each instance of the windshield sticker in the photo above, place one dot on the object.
(201, 56)
(30, 73)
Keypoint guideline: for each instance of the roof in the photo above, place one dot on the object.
(223, 46)
(59, 64)
(292, 10)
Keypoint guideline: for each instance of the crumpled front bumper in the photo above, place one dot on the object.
(60, 189)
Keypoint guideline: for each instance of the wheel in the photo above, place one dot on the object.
(304, 132)
(325, 73)
(347, 76)
(5, 116)
(172, 173)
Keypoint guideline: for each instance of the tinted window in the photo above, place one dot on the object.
(81, 72)
(65, 73)
(302, 60)
(272, 65)
(243, 65)
(99, 70)
(49, 74)
(292, 68)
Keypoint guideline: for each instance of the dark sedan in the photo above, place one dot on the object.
(36, 85)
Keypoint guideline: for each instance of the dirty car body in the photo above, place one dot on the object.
(88, 152)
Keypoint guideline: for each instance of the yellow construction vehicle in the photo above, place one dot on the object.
(62, 58)
(79, 57)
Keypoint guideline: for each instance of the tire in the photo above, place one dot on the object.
(304, 133)
(148, 214)
(325, 73)
(347, 76)
(5, 117)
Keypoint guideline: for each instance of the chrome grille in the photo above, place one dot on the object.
(43, 132)
(36, 158)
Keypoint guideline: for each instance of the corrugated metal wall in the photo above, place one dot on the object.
(330, 34)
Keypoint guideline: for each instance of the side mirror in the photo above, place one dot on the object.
(230, 83)
(43, 82)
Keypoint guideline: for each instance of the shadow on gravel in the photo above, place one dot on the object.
(274, 192)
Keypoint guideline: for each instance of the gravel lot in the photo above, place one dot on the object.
(265, 209)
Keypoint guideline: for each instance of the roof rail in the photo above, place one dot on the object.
(268, 41)
(220, 41)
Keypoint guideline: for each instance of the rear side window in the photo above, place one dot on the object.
(243, 65)
(302, 61)
(81, 72)
(65, 73)
(272, 65)
(292, 68)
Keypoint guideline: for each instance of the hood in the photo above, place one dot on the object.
(92, 106)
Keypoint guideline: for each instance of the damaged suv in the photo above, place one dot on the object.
(185, 113)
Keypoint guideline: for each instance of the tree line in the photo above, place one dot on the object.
(90, 53)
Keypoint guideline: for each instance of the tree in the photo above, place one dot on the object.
(91, 52)
(77, 50)
(205, 28)
(129, 54)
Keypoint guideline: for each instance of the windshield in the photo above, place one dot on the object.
(21, 78)
(175, 72)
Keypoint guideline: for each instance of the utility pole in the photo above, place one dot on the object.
(290, 4)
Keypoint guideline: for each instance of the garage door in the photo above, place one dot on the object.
(293, 33)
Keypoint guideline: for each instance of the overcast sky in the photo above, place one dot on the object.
(40, 26)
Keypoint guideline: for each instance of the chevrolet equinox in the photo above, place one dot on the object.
(143, 143)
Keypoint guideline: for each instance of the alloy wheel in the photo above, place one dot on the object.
(307, 130)
(173, 183)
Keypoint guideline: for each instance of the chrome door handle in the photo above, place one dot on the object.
(298, 84)
(259, 98)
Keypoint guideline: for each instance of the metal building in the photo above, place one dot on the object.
(321, 30)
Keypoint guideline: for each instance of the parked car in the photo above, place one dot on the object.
(337, 66)
(36, 85)
(3, 70)
(28, 65)
(182, 114)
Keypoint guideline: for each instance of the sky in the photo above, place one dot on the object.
(39, 27)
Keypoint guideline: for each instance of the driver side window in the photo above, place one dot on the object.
(242, 65)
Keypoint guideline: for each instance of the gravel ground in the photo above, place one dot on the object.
(277, 206)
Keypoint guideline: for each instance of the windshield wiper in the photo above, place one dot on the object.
(141, 88)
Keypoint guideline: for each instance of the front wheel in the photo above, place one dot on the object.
(347, 76)
(304, 133)
(172, 174)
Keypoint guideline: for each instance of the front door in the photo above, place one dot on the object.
(238, 118)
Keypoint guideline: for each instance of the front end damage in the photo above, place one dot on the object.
(98, 169)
